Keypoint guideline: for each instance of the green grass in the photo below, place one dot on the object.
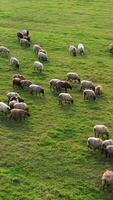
(46, 157)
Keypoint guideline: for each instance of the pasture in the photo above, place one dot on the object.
(46, 157)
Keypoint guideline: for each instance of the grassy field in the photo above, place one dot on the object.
(46, 156)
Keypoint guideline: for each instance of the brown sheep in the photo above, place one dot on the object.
(18, 114)
(19, 76)
(16, 82)
(25, 83)
(59, 85)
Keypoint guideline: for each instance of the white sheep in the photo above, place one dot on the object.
(72, 76)
(39, 66)
(14, 96)
(94, 143)
(21, 105)
(36, 89)
(98, 90)
(36, 48)
(24, 42)
(14, 62)
(52, 83)
(11, 103)
(42, 56)
(89, 94)
(4, 51)
(107, 179)
(25, 83)
(65, 97)
(86, 84)
(109, 151)
(4, 108)
(105, 143)
(101, 130)
(72, 50)
(81, 49)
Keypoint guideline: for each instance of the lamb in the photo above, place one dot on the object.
(65, 97)
(36, 48)
(4, 108)
(107, 179)
(105, 143)
(42, 56)
(25, 83)
(16, 82)
(25, 43)
(52, 83)
(37, 89)
(85, 84)
(89, 94)
(94, 143)
(72, 76)
(18, 114)
(109, 151)
(98, 90)
(14, 62)
(21, 105)
(72, 50)
(39, 66)
(4, 51)
(19, 76)
(101, 130)
(81, 49)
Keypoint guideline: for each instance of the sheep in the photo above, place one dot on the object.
(89, 94)
(14, 96)
(42, 56)
(85, 84)
(101, 130)
(19, 76)
(12, 102)
(59, 85)
(37, 89)
(25, 83)
(72, 76)
(22, 33)
(98, 90)
(21, 105)
(14, 62)
(65, 97)
(52, 83)
(105, 143)
(18, 114)
(16, 82)
(25, 43)
(94, 143)
(4, 108)
(4, 51)
(111, 48)
(39, 66)
(81, 49)
(107, 179)
(72, 50)
(109, 151)
(36, 48)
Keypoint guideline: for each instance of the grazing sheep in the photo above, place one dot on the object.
(105, 143)
(13, 96)
(98, 90)
(18, 114)
(39, 66)
(65, 97)
(36, 48)
(14, 62)
(89, 94)
(107, 179)
(36, 89)
(101, 130)
(12, 102)
(85, 84)
(42, 56)
(94, 143)
(72, 76)
(52, 83)
(4, 108)
(109, 151)
(25, 43)
(19, 76)
(22, 33)
(59, 85)
(81, 49)
(4, 51)
(72, 50)
(25, 83)
(16, 82)
(111, 48)
(21, 105)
